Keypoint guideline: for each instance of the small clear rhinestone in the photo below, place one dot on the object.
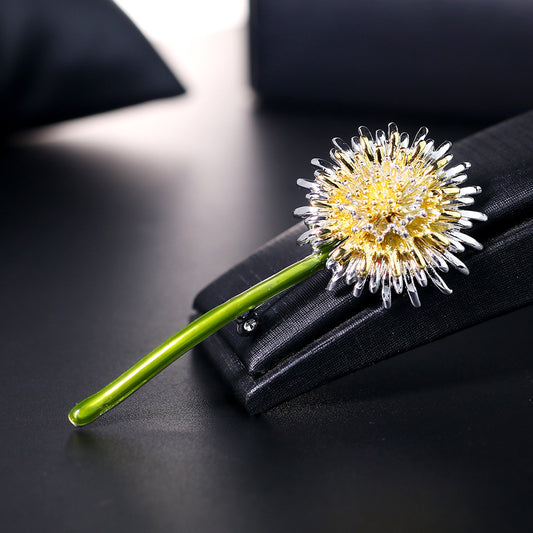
(250, 325)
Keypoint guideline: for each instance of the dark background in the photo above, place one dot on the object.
(110, 227)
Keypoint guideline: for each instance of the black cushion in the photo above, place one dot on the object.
(445, 57)
(308, 336)
(62, 59)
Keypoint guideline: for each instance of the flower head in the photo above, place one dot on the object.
(393, 212)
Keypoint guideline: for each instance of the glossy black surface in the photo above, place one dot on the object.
(110, 226)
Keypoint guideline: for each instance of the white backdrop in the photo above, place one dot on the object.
(176, 21)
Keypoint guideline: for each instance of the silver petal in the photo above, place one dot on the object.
(437, 280)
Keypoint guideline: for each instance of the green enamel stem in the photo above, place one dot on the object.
(92, 407)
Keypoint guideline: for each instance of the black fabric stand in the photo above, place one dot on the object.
(308, 336)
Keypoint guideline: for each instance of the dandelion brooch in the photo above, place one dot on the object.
(383, 213)
(393, 211)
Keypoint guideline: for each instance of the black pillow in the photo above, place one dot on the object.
(444, 57)
(308, 336)
(61, 59)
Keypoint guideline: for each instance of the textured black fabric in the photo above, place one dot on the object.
(61, 59)
(460, 57)
(309, 336)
